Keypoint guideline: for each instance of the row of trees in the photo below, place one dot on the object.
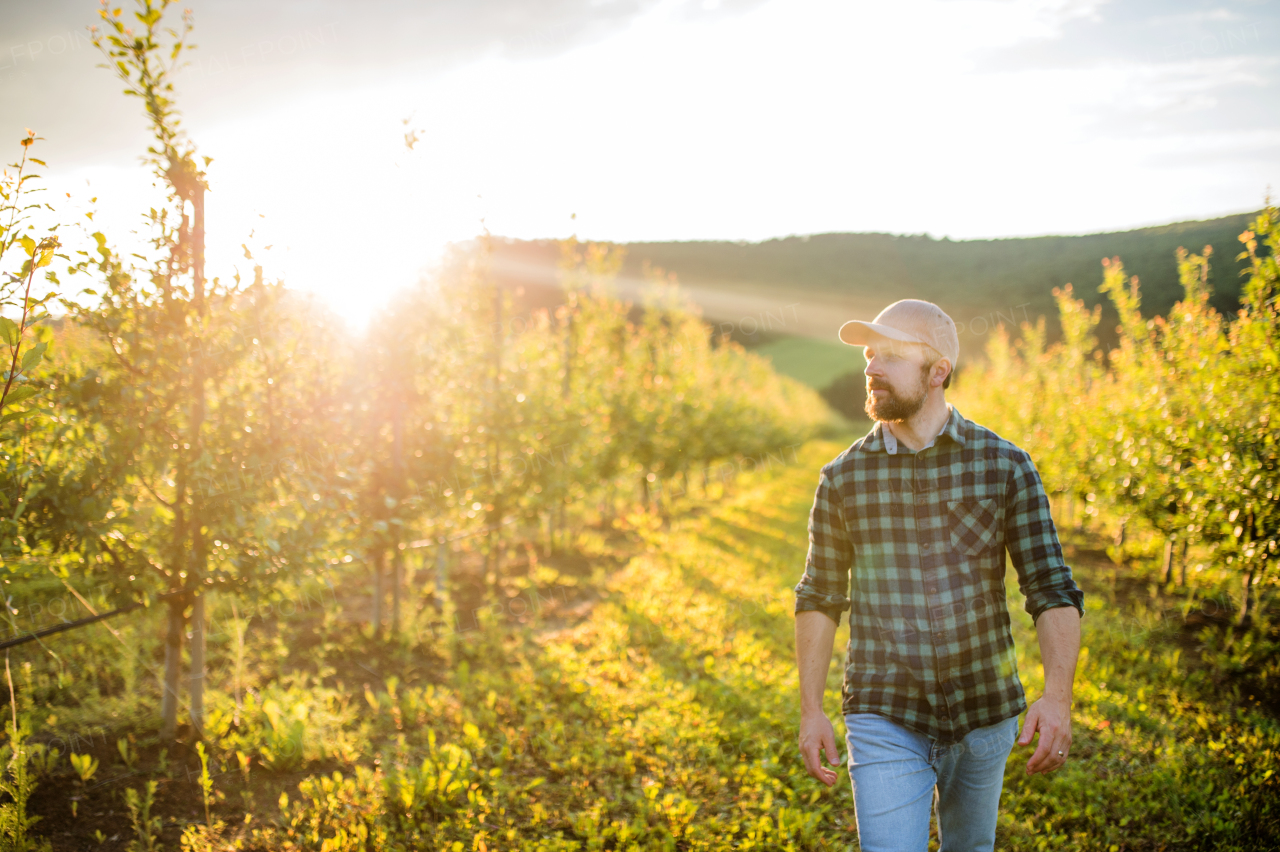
(1177, 427)
(479, 417)
(192, 433)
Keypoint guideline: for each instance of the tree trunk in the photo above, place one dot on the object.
(494, 518)
(199, 562)
(195, 581)
(570, 346)
(1168, 560)
(172, 669)
(197, 665)
(1182, 564)
(375, 609)
(442, 570)
(397, 580)
(568, 355)
(1120, 535)
(401, 488)
(493, 558)
(1246, 602)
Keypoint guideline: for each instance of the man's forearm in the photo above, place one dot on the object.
(815, 639)
(1058, 630)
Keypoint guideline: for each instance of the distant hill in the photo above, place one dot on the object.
(787, 297)
(825, 278)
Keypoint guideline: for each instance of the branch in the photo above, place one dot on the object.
(111, 341)
(123, 565)
(22, 327)
(17, 195)
(152, 491)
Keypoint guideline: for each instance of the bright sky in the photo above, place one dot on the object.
(674, 120)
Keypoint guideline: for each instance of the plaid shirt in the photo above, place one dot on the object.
(925, 535)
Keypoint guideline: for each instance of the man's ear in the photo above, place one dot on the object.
(941, 369)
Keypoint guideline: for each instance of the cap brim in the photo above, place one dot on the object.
(859, 333)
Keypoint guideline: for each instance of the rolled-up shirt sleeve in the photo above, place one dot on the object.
(825, 584)
(1032, 541)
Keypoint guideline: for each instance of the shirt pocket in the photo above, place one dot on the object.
(975, 525)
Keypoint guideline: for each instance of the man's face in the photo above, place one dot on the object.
(897, 381)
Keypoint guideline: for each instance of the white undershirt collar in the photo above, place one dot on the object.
(891, 441)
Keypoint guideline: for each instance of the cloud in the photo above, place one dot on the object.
(1181, 73)
(1138, 31)
(252, 54)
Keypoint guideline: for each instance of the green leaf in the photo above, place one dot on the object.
(9, 331)
(18, 394)
(33, 356)
(28, 244)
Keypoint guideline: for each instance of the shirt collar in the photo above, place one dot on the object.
(881, 439)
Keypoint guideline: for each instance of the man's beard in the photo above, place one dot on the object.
(895, 407)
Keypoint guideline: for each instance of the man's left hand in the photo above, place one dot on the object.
(1052, 719)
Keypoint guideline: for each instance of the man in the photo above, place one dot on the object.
(919, 514)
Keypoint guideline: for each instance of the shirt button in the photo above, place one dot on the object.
(933, 590)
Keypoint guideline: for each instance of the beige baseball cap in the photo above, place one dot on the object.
(908, 321)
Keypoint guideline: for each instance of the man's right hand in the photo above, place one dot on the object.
(817, 737)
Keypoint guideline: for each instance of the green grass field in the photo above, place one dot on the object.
(644, 697)
(815, 362)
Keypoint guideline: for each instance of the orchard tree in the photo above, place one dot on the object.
(1248, 478)
(399, 416)
(192, 433)
(26, 259)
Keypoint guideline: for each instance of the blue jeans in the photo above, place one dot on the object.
(894, 772)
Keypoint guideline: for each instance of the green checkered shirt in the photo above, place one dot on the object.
(923, 536)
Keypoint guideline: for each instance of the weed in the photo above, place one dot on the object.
(146, 828)
(85, 765)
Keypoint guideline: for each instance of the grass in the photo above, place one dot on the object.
(643, 696)
(815, 362)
